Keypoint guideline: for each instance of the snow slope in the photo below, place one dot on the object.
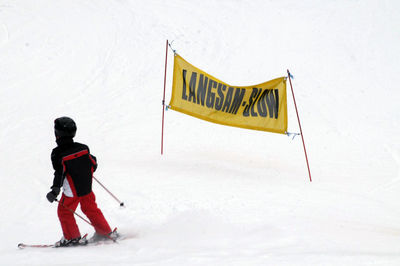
(219, 195)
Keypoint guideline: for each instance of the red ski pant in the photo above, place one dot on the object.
(88, 207)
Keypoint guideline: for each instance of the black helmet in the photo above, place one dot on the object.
(64, 127)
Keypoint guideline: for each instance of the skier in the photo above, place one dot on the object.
(74, 167)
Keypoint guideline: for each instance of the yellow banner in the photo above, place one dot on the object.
(259, 107)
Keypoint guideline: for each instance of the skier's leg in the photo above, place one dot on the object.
(67, 219)
(96, 217)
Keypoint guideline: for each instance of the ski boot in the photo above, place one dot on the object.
(71, 242)
(99, 237)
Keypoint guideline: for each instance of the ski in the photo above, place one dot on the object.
(23, 246)
(105, 241)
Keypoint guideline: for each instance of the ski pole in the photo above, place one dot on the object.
(109, 237)
(74, 213)
(112, 195)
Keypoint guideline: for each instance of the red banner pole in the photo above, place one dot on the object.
(298, 119)
(163, 101)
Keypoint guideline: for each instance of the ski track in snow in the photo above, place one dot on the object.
(219, 195)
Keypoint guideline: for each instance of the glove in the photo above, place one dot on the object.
(52, 195)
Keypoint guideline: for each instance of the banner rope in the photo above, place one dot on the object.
(293, 135)
(170, 46)
(174, 51)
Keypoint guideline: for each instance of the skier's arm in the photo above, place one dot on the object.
(58, 171)
(57, 181)
(94, 160)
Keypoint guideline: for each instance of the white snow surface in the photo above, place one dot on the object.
(219, 195)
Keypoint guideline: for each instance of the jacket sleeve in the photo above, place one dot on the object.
(58, 170)
(94, 161)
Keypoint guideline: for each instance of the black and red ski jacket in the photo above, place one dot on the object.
(74, 167)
